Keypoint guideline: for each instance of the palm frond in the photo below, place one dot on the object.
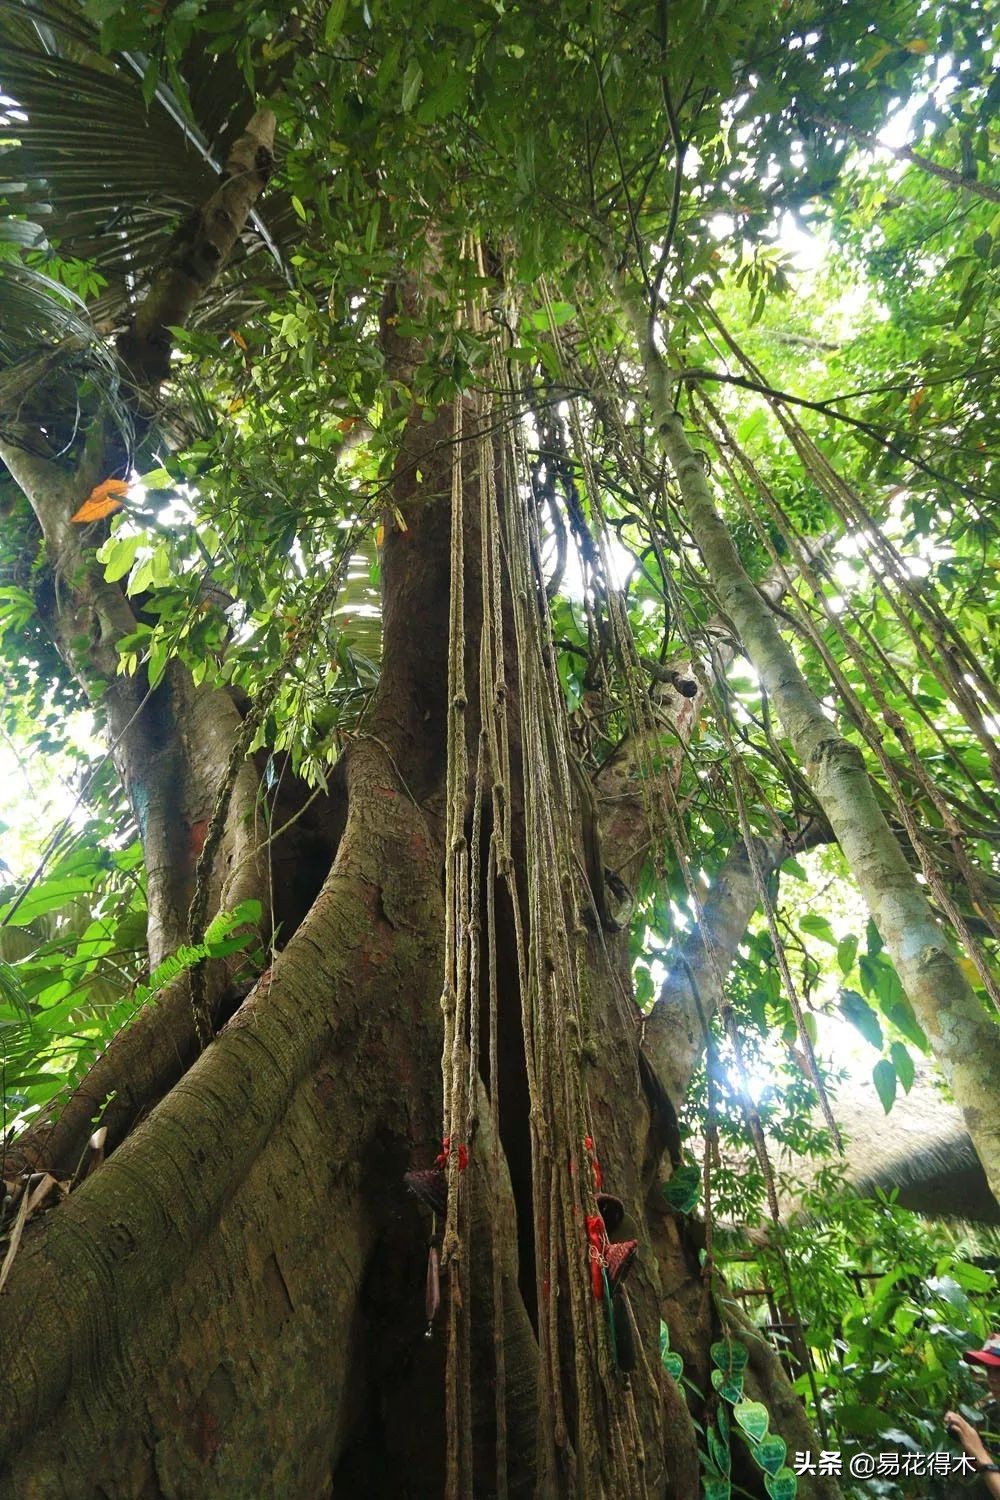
(37, 312)
(358, 612)
(107, 176)
(46, 336)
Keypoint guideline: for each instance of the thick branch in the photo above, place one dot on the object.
(675, 1037)
(197, 253)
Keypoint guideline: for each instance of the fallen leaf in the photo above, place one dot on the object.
(41, 1191)
(103, 499)
(15, 1238)
(238, 338)
(31, 1198)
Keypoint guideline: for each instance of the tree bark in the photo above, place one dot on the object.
(168, 1315)
(231, 1303)
(692, 987)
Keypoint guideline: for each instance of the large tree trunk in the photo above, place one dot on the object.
(232, 1303)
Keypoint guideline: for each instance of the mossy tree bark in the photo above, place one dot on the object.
(232, 1303)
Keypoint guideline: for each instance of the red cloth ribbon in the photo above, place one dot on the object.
(441, 1160)
(595, 1164)
(597, 1235)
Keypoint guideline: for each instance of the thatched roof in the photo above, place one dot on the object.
(921, 1147)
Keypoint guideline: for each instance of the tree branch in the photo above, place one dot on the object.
(954, 179)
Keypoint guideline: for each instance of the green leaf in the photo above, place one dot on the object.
(561, 312)
(12, 990)
(903, 1064)
(412, 79)
(818, 926)
(715, 1487)
(48, 895)
(860, 1418)
(334, 22)
(770, 1452)
(156, 479)
(673, 1364)
(783, 1485)
(141, 578)
(972, 1278)
(753, 1418)
(118, 554)
(854, 1008)
(847, 952)
(900, 1013)
(445, 99)
(160, 567)
(884, 1079)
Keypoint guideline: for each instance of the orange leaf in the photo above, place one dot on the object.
(347, 424)
(103, 499)
(918, 398)
(238, 338)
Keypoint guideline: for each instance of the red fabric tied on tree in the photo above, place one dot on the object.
(598, 1174)
(598, 1238)
(463, 1154)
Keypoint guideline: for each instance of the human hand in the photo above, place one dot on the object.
(967, 1436)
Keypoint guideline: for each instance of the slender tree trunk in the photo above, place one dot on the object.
(692, 987)
(964, 1039)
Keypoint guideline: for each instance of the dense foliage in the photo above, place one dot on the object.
(827, 310)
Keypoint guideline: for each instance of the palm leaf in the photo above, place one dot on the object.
(358, 612)
(106, 176)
